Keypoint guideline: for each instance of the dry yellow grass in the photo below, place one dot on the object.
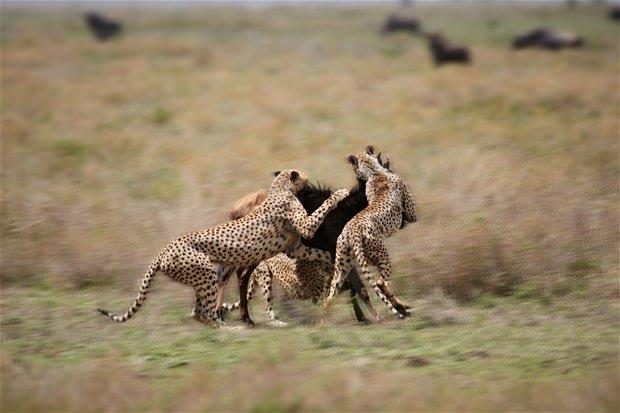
(140, 139)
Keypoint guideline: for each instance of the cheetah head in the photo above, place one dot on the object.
(290, 180)
(365, 164)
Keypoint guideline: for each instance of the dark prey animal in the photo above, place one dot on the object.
(544, 38)
(395, 23)
(311, 197)
(445, 52)
(102, 27)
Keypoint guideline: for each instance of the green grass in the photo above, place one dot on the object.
(517, 346)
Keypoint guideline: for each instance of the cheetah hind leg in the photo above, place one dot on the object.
(194, 269)
(380, 257)
(383, 263)
(204, 309)
(399, 305)
(223, 311)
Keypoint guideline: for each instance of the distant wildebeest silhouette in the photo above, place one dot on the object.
(614, 13)
(544, 38)
(102, 27)
(445, 52)
(395, 23)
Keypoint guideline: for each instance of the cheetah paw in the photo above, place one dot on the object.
(226, 327)
(278, 323)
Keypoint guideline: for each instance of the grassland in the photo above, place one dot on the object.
(111, 150)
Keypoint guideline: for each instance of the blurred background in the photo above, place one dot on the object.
(127, 124)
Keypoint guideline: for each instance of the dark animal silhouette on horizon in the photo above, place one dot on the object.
(445, 52)
(101, 27)
(395, 23)
(544, 38)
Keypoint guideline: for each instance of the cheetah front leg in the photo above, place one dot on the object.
(408, 203)
(306, 225)
(302, 252)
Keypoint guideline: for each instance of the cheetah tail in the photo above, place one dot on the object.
(140, 299)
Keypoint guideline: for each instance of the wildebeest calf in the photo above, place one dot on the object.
(544, 38)
(445, 52)
(395, 23)
(102, 27)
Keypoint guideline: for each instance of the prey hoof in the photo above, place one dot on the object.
(222, 312)
(248, 321)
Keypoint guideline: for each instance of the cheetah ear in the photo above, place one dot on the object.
(294, 175)
(276, 173)
(352, 160)
(370, 150)
(386, 164)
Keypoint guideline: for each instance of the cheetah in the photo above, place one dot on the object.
(305, 280)
(389, 201)
(299, 279)
(272, 227)
(310, 280)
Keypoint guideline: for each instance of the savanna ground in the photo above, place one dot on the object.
(109, 151)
